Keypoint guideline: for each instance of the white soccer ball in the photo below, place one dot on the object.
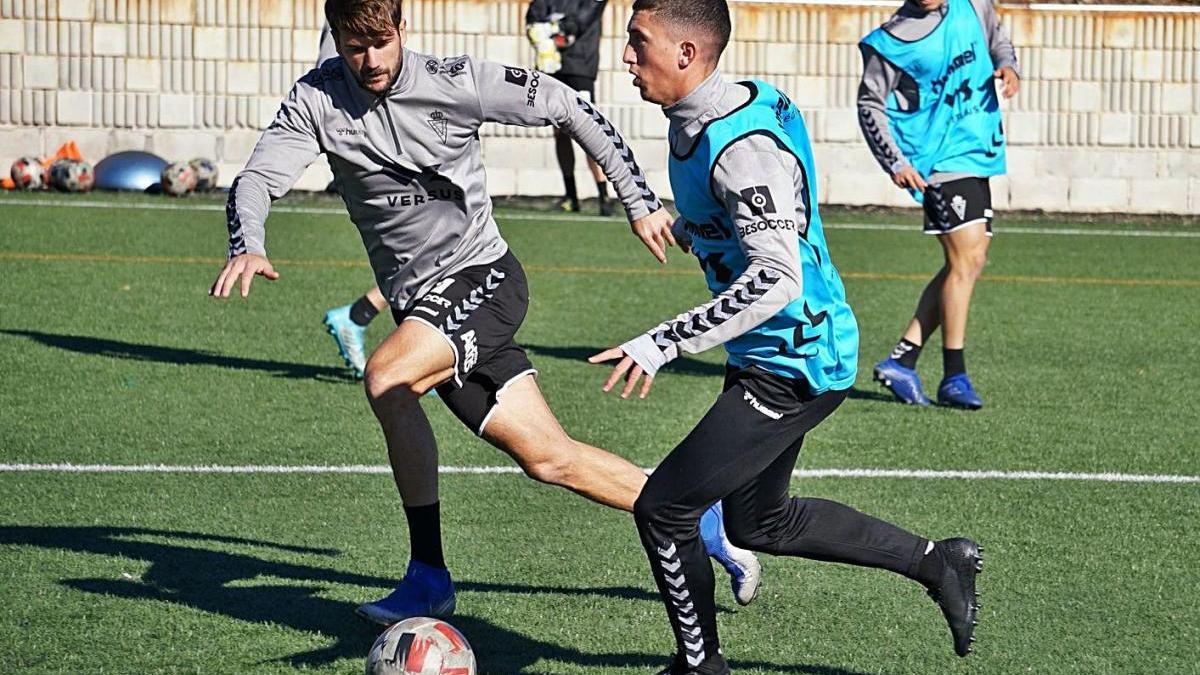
(178, 179)
(206, 173)
(29, 173)
(421, 646)
(72, 175)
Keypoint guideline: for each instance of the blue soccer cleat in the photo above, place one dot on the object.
(349, 337)
(903, 382)
(424, 591)
(956, 391)
(745, 572)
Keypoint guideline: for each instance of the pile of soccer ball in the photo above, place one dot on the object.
(68, 175)
(180, 178)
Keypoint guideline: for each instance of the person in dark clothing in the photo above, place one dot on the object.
(574, 26)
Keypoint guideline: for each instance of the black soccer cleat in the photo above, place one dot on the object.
(955, 592)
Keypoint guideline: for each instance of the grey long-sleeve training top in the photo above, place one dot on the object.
(880, 78)
(409, 162)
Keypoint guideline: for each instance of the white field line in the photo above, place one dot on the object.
(547, 217)
(923, 474)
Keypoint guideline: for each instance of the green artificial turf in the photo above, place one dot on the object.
(1083, 346)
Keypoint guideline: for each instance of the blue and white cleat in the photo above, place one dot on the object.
(903, 382)
(424, 591)
(956, 391)
(745, 572)
(349, 337)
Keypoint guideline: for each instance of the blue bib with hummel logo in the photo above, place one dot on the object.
(815, 337)
(956, 126)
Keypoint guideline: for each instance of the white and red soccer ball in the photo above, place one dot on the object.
(29, 173)
(72, 175)
(421, 646)
(178, 179)
(206, 173)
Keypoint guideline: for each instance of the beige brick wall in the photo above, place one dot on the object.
(1108, 119)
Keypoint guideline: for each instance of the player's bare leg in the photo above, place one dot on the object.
(966, 254)
(408, 363)
(928, 315)
(524, 427)
(898, 372)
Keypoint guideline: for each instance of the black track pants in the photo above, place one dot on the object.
(743, 451)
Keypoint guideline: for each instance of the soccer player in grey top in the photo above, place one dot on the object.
(928, 109)
(401, 133)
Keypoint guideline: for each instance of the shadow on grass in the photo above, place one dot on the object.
(184, 570)
(117, 349)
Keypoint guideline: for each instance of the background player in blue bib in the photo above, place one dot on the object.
(929, 112)
(745, 183)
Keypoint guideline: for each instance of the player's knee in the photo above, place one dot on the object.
(968, 266)
(552, 469)
(650, 507)
(384, 378)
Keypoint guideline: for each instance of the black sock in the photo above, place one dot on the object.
(425, 534)
(569, 184)
(906, 353)
(953, 362)
(362, 311)
(929, 570)
(602, 191)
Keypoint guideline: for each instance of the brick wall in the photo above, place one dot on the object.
(1108, 118)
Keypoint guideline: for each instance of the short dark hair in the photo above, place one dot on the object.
(709, 16)
(370, 18)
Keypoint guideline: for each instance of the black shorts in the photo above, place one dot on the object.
(478, 311)
(585, 86)
(956, 204)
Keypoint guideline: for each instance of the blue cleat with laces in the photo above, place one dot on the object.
(424, 591)
(745, 572)
(904, 383)
(956, 391)
(350, 338)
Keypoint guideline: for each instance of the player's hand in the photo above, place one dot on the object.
(655, 232)
(909, 179)
(626, 368)
(242, 267)
(1009, 79)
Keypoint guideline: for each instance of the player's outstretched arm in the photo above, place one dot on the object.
(242, 268)
(528, 98)
(287, 147)
(758, 183)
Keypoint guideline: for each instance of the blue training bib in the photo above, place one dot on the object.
(814, 337)
(956, 126)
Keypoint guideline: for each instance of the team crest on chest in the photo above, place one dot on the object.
(437, 122)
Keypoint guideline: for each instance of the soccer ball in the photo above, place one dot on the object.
(72, 175)
(178, 179)
(206, 173)
(29, 173)
(421, 646)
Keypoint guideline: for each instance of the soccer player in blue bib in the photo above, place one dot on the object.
(927, 106)
(745, 183)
